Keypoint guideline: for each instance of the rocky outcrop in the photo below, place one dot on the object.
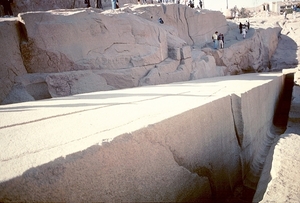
(167, 143)
(63, 41)
(250, 55)
(279, 179)
(123, 49)
(11, 63)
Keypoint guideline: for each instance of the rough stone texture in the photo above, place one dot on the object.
(152, 143)
(22, 6)
(250, 55)
(72, 40)
(253, 141)
(11, 64)
(279, 181)
(144, 53)
(280, 178)
(288, 46)
(75, 82)
(90, 40)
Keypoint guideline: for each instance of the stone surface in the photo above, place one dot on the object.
(75, 82)
(145, 53)
(279, 180)
(11, 63)
(118, 145)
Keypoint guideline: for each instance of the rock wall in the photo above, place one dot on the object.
(250, 55)
(11, 62)
(67, 52)
(64, 41)
(279, 180)
(24, 6)
(167, 143)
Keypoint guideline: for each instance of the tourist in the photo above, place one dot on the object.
(87, 2)
(294, 11)
(113, 4)
(215, 39)
(240, 26)
(201, 4)
(160, 20)
(248, 24)
(99, 4)
(191, 3)
(244, 31)
(221, 40)
(7, 8)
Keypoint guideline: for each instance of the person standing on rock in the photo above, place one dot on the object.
(244, 31)
(7, 8)
(215, 39)
(87, 2)
(99, 4)
(221, 40)
(241, 27)
(113, 4)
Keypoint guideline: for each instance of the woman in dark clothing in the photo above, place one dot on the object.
(241, 27)
(6, 6)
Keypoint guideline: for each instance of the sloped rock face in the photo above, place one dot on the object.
(90, 40)
(23, 6)
(11, 64)
(250, 55)
(126, 48)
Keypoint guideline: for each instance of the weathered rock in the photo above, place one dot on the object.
(193, 26)
(250, 55)
(11, 64)
(135, 155)
(75, 82)
(280, 178)
(95, 41)
(130, 48)
(17, 94)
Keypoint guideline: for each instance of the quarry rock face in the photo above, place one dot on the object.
(11, 63)
(123, 49)
(250, 55)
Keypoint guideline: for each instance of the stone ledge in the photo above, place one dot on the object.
(174, 142)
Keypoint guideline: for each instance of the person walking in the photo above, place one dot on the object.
(221, 40)
(87, 2)
(201, 4)
(215, 39)
(244, 31)
(113, 4)
(7, 8)
(240, 27)
(99, 4)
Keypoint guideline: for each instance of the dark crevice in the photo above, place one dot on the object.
(282, 110)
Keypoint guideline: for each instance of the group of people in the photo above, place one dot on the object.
(115, 3)
(7, 7)
(218, 40)
(192, 4)
(244, 28)
(98, 3)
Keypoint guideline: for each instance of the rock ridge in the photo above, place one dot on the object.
(86, 50)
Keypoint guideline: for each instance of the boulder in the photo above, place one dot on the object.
(90, 40)
(250, 55)
(127, 48)
(11, 64)
(75, 82)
